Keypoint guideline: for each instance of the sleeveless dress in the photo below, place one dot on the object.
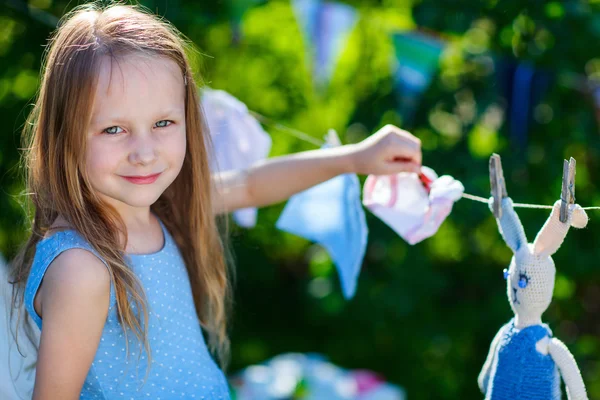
(182, 366)
(519, 371)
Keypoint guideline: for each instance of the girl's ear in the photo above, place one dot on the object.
(510, 226)
(553, 232)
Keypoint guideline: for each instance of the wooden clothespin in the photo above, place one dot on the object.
(497, 184)
(568, 188)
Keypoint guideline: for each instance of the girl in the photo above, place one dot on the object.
(125, 258)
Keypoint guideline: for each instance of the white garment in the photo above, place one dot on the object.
(404, 203)
(237, 137)
(15, 381)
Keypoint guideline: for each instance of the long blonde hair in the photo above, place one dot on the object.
(59, 186)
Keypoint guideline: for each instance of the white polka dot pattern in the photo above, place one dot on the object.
(182, 366)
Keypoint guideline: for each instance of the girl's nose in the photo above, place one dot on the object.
(144, 152)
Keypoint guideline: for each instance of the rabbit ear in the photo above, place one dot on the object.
(510, 226)
(553, 232)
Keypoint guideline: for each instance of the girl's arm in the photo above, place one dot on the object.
(388, 151)
(75, 300)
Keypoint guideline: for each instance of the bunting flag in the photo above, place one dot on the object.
(237, 9)
(595, 89)
(524, 87)
(415, 207)
(417, 57)
(326, 27)
(331, 215)
(238, 140)
(520, 105)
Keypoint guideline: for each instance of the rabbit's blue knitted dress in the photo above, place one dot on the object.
(182, 366)
(516, 363)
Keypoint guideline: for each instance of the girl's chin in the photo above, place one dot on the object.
(135, 199)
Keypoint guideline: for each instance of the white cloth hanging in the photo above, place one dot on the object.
(408, 206)
(238, 140)
(16, 380)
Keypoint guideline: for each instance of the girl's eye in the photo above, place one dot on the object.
(523, 281)
(164, 123)
(112, 130)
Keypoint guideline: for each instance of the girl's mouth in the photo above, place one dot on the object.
(142, 180)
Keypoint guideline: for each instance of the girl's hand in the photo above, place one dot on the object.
(388, 151)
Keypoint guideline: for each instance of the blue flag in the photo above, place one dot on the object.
(417, 57)
(331, 215)
(326, 27)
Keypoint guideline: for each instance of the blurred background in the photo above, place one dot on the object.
(469, 78)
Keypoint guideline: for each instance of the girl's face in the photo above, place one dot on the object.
(137, 137)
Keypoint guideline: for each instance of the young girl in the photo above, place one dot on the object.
(124, 271)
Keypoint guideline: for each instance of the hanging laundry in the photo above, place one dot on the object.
(326, 26)
(238, 140)
(417, 57)
(595, 90)
(521, 102)
(237, 9)
(414, 206)
(17, 374)
(524, 87)
(331, 215)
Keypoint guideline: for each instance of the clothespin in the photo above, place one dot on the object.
(497, 183)
(568, 188)
(332, 138)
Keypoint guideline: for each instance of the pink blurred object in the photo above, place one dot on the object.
(310, 377)
(413, 205)
(366, 380)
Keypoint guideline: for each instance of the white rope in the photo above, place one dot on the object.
(519, 205)
(294, 132)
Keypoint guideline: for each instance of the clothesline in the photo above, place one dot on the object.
(294, 132)
(518, 205)
(307, 138)
(51, 21)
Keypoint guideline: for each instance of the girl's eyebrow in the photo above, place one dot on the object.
(173, 110)
(120, 119)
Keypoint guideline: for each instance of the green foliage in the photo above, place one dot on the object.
(423, 315)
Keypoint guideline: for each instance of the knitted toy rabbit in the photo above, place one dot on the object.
(525, 361)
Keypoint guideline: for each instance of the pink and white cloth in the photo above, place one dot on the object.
(413, 205)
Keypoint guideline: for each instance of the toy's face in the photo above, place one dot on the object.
(530, 283)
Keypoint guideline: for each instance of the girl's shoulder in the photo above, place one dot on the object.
(73, 260)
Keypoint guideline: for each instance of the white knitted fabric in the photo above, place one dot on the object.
(568, 369)
(530, 281)
(532, 262)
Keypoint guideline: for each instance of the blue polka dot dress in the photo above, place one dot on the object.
(182, 366)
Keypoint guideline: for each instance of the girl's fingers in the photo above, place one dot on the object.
(395, 167)
(406, 154)
(407, 146)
